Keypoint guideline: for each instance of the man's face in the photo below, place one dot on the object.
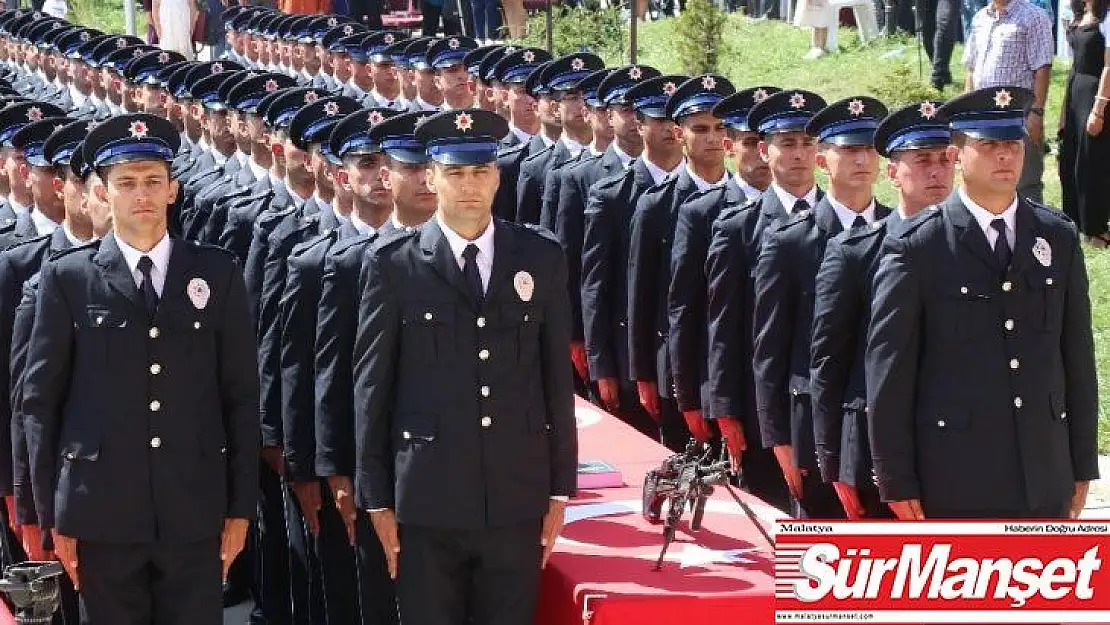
(659, 135)
(522, 106)
(485, 96)
(548, 110)
(703, 138)
(853, 167)
(100, 213)
(298, 164)
(219, 130)
(44, 194)
(465, 192)
(364, 174)
(73, 196)
(154, 100)
(744, 147)
(602, 129)
(427, 87)
(626, 129)
(341, 67)
(13, 161)
(408, 82)
(323, 59)
(922, 177)
(361, 73)
(385, 79)
(237, 122)
(989, 164)
(139, 194)
(791, 157)
(572, 109)
(408, 183)
(455, 84)
(320, 172)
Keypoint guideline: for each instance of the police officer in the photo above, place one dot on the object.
(997, 284)
(561, 80)
(518, 73)
(605, 253)
(916, 143)
(160, 493)
(445, 58)
(30, 222)
(686, 298)
(737, 238)
(487, 298)
(784, 277)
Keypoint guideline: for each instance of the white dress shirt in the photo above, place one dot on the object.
(985, 217)
(789, 200)
(524, 137)
(458, 244)
(43, 224)
(625, 158)
(751, 192)
(547, 141)
(159, 254)
(704, 185)
(20, 210)
(383, 101)
(257, 170)
(72, 238)
(575, 148)
(658, 174)
(848, 216)
(424, 105)
(361, 226)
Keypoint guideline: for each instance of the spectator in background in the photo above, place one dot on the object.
(173, 24)
(487, 19)
(516, 18)
(1084, 142)
(818, 15)
(970, 7)
(56, 8)
(151, 29)
(940, 24)
(1010, 43)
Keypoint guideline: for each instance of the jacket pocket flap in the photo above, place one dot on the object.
(81, 450)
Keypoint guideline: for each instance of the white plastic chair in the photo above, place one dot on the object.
(864, 11)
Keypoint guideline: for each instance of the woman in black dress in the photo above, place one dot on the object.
(1084, 143)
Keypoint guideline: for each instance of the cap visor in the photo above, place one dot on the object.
(1013, 133)
(852, 139)
(411, 157)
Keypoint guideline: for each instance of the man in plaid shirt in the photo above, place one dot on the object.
(1010, 43)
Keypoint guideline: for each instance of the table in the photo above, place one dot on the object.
(601, 572)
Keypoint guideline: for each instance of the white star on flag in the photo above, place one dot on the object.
(331, 109)
(138, 130)
(635, 73)
(928, 110)
(797, 101)
(697, 556)
(577, 64)
(1002, 98)
(463, 122)
(855, 107)
(708, 82)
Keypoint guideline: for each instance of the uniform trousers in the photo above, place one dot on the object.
(270, 589)
(159, 583)
(455, 577)
(377, 596)
(305, 578)
(336, 556)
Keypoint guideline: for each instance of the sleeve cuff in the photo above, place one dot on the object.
(560, 498)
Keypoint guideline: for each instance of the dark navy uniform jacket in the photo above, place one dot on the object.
(841, 314)
(140, 428)
(500, 421)
(785, 275)
(508, 164)
(533, 175)
(981, 382)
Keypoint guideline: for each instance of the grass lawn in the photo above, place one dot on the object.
(769, 52)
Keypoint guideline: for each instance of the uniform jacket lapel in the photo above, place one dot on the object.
(825, 216)
(971, 235)
(109, 259)
(437, 252)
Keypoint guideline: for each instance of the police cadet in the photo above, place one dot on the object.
(323, 541)
(479, 305)
(916, 143)
(597, 118)
(995, 285)
(569, 219)
(605, 250)
(483, 93)
(29, 221)
(386, 91)
(446, 59)
(738, 233)
(101, 448)
(686, 297)
(496, 94)
(511, 73)
(509, 159)
(785, 273)
(649, 261)
(561, 78)
(336, 326)
(426, 96)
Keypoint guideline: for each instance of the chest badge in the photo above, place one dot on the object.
(1042, 251)
(524, 285)
(198, 293)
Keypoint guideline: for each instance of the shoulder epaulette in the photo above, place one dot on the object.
(7, 225)
(542, 232)
(201, 246)
(911, 224)
(535, 155)
(853, 235)
(90, 245)
(1045, 209)
(394, 237)
(343, 245)
(800, 217)
(301, 248)
(698, 195)
(612, 179)
(25, 242)
(511, 150)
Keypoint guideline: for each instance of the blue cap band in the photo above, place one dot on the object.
(449, 58)
(785, 122)
(617, 94)
(35, 155)
(9, 132)
(471, 152)
(62, 156)
(518, 73)
(983, 124)
(847, 127)
(650, 102)
(317, 127)
(738, 120)
(567, 81)
(358, 144)
(696, 104)
(937, 136)
(120, 151)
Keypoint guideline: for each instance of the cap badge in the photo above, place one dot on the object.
(348, 30)
(635, 73)
(137, 53)
(333, 22)
(529, 56)
(669, 88)
(797, 101)
(928, 110)
(311, 97)
(1002, 98)
(759, 95)
(121, 43)
(708, 83)
(138, 130)
(464, 122)
(374, 118)
(217, 68)
(164, 57)
(331, 109)
(388, 40)
(271, 85)
(855, 107)
(84, 37)
(453, 43)
(577, 64)
(34, 113)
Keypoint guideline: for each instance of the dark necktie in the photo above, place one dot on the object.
(1002, 251)
(859, 222)
(471, 274)
(150, 295)
(799, 206)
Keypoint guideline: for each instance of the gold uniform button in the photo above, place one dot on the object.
(486, 422)
(155, 406)
(484, 391)
(155, 369)
(1017, 402)
(153, 333)
(1007, 286)
(481, 322)
(484, 354)
(155, 442)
